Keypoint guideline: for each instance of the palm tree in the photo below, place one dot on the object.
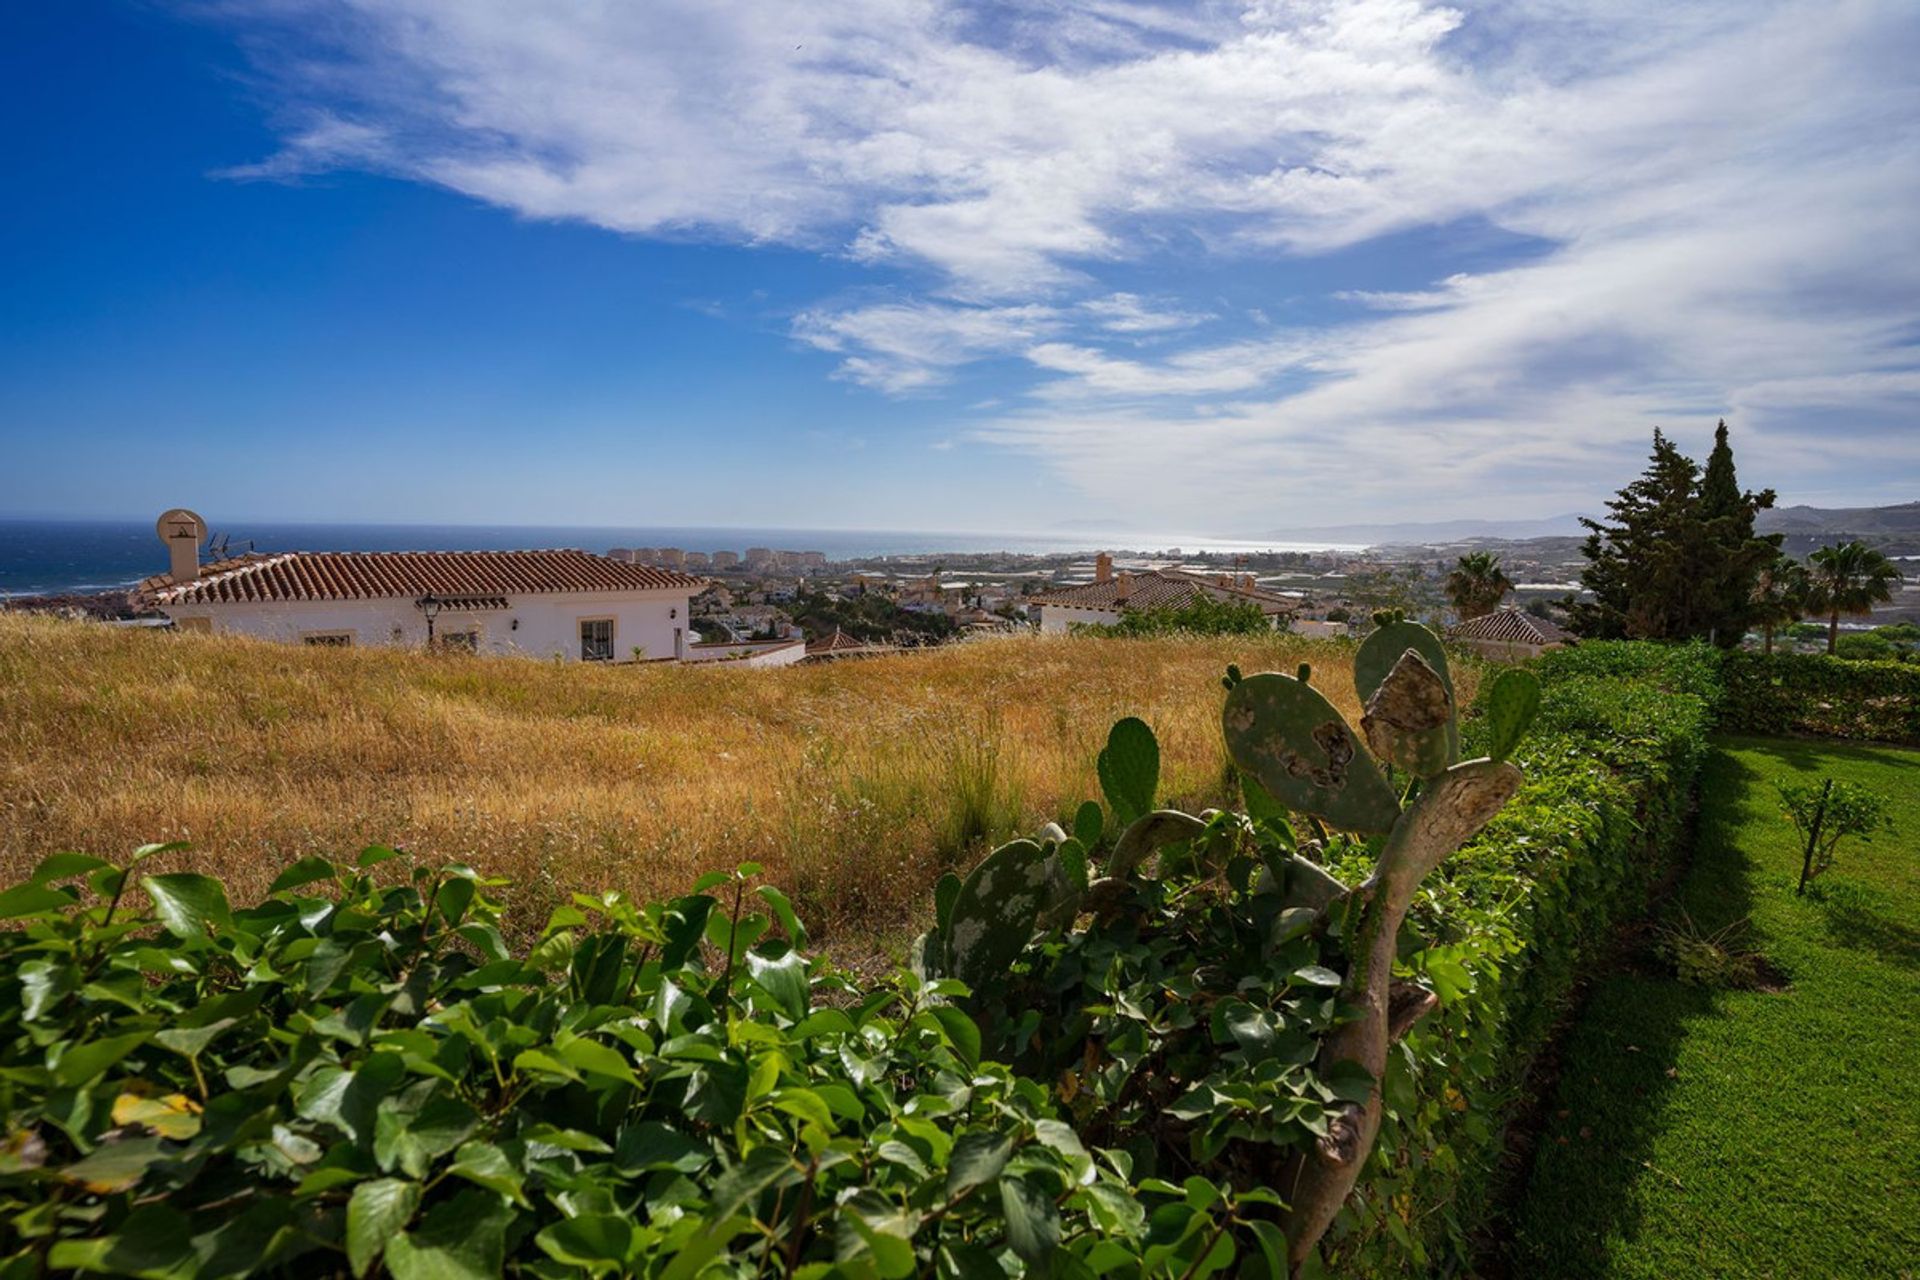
(1477, 584)
(1850, 578)
(1779, 596)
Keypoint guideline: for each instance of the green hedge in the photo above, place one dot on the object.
(358, 1073)
(1828, 697)
(1610, 768)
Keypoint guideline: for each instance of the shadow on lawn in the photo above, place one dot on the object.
(1618, 1062)
(1816, 755)
(1853, 921)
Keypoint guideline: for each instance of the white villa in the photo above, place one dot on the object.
(1109, 595)
(568, 604)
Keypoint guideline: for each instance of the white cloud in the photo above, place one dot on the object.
(1720, 195)
(1130, 313)
(909, 346)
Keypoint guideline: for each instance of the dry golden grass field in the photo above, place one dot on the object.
(855, 784)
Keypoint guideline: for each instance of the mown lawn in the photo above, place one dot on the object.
(1752, 1133)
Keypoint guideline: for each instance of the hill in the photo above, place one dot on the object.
(855, 783)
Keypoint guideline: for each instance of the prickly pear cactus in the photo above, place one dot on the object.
(1298, 747)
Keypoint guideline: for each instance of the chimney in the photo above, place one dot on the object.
(183, 532)
(1103, 568)
(1123, 586)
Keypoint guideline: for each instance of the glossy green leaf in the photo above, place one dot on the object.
(377, 1211)
(188, 904)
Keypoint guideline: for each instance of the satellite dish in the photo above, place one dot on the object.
(180, 525)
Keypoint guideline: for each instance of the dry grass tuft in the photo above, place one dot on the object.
(855, 784)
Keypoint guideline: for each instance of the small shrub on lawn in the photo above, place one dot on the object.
(1825, 813)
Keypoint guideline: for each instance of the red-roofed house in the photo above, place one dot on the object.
(1508, 635)
(568, 604)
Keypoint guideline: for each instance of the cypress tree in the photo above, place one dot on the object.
(1738, 556)
(1677, 558)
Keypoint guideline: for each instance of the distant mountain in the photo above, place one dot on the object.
(1435, 531)
(1901, 520)
(1894, 528)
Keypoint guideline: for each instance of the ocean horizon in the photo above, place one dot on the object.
(50, 557)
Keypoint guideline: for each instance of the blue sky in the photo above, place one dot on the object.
(903, 263)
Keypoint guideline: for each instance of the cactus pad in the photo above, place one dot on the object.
(1130, 768)
(993, 914)
(1511, 704)
(1409, 720)
(1380, 651)
(1148, 833)
(1293, 741)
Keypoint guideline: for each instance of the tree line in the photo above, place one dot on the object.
(1678, 558)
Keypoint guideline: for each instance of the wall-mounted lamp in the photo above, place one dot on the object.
(514, 625)
(673, 613)
(430, 605)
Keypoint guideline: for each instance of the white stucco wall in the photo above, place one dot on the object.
(762, 653)
(1505, 650)
(548, 624)
(1058, 618)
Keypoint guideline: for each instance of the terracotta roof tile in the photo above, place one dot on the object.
(471, 579)
(1508, 626)
(840, 643)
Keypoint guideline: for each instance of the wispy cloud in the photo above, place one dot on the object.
(1130, 313)
(1721, 194)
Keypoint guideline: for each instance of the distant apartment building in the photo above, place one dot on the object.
(670, 558)
(725, 559)
(696, 561)
(760, 559)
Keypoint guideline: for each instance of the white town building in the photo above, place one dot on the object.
(572, 605)
(1109, 595)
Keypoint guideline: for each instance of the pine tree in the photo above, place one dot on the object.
(1678, 558)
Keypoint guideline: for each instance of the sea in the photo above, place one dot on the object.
(49, 557)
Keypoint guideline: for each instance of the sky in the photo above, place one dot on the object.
(910, 264)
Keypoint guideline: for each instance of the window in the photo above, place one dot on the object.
(331, 639)
(596, 640)
(460, 641)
